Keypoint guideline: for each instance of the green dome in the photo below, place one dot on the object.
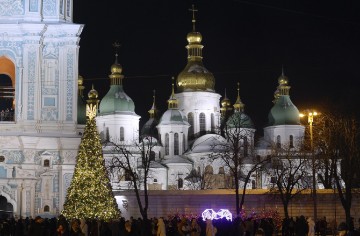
(239, 120)
(116, 100)
(284, 112)
(81, 114)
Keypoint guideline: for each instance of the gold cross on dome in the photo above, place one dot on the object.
(193, 16)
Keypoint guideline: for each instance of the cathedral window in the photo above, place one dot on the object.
(46, 163)
(180, 183)
(107, 135)
(278, 141)
(167, 144)
(68, 9)
(127, 176)
(152, 156)
(246, 147)
(291, 141)
(46, 208)
(122, 134)
(212, 122)
(202, 123)
(61, 7)
(176, 144)
(191, 122)
(184, 148)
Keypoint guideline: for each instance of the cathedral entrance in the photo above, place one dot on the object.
(6, 208)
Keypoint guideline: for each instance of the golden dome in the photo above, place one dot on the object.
(194, 38)
(116, 68)
(195, 77)
(93, 94)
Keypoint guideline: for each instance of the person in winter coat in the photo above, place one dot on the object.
(195, 228)
(311, 224)
(161, 229)
(211, 230)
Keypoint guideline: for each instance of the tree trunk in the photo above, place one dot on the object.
(286, 211)
(238, 209)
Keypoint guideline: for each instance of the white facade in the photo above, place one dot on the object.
(199, 102)
(39, 54)
(119, 128)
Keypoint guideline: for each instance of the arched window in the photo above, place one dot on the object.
(122, 134)
(278, 141)
(107, 135)
(209, 170)
(152, 156)
(127, 176)
(291, 139)
(180, 183)
(184, 147)
(61, 8)
(246, 147)
(212, 122)
(166, 144)
(46, 163)
(202, 123)
(68, 9)
(176, 144)
(46, 208)
(191, 122)
(253, 184)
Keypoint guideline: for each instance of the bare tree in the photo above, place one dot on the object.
(133, 163)
(289, 170)
(238, 153)
(344, 144)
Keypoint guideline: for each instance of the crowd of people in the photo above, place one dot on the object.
(171, 226)
(7, 114)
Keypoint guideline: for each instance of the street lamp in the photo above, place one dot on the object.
(310, 115)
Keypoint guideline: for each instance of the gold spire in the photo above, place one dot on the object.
(225, 105)
(116, 69)
(283, 88)
(172, 102)
(238, 105)
(195, 77)
(92, 103)
(81, 87)
(153, 109)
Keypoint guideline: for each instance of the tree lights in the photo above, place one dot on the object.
(90, 195)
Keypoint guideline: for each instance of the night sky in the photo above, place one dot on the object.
(316, 41)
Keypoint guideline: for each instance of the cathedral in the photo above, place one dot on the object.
(42, 105)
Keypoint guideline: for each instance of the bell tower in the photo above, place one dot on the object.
(39, 139)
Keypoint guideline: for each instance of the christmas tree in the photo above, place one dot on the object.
(89, 195)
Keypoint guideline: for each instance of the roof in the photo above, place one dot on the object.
(208, 143)
(284, 112)
(116, 100)
(173, 116)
